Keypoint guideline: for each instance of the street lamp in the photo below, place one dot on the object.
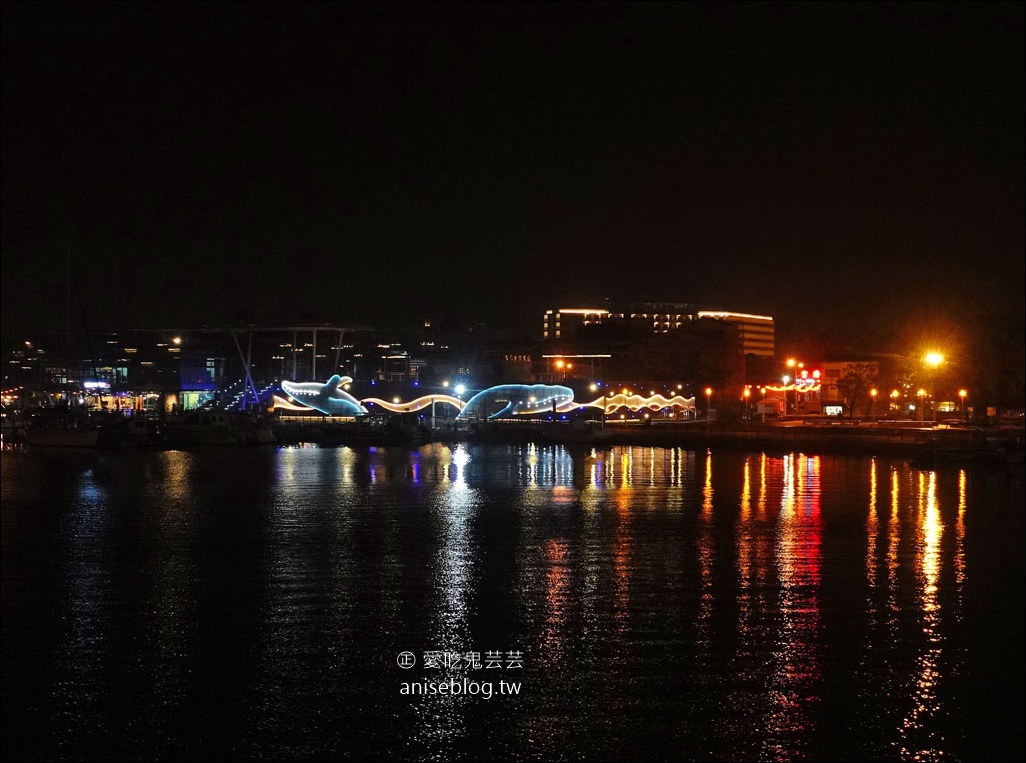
(933, 360)
(921, 394)
(795, 368)
(872, 403)
(708, 402)
(560, 366)
(747, 394)
(962, 393)
(792, 364)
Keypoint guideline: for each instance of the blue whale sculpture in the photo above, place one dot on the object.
(518, 400)
(328, 398)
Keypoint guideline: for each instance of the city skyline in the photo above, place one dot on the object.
(384, 163)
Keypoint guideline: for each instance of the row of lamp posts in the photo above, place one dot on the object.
(932, 359)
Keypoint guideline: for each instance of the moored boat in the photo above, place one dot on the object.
(63, 438)
(128, 431)
(203, 427)
(61, 428)
(12, 426)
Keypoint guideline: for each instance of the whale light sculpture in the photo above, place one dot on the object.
(518, 400)
(492, 403)
(328, 398)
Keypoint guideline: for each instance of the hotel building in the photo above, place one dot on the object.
(756, 331)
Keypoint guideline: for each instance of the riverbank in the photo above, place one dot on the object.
(926, 443)
(883, 438)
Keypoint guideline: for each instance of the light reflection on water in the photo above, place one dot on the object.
(440, 723)
(795, 683)
(669, 603)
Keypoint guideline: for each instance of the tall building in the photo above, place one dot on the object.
(563, 320)
(756, 331)
(661, 316)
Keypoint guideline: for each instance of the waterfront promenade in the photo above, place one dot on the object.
(919, 440)
(903, 438)
(840, 436)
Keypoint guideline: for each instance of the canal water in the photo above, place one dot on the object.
(508, 602)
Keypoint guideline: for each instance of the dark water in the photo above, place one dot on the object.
(664, 605)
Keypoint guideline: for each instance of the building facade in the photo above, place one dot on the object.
(756, 331)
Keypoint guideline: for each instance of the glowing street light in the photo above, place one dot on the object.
(795, 366)
(933, 360)
(921, 394)
(708, 402)
(872, 403)
(747, 394)
(962, 393)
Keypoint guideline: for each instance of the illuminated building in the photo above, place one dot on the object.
(660, 317)
(563, 320)
(756, 331)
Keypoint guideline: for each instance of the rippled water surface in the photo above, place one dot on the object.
(646, 603)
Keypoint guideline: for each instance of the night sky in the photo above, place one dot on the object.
(374, 164)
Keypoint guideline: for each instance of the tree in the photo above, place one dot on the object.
(855, 381)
